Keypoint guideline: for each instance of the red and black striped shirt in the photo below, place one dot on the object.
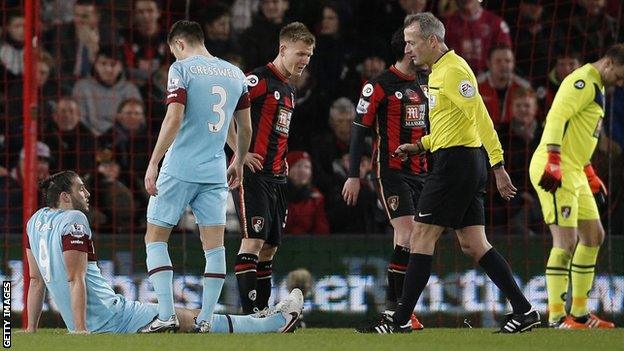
(396, 105)
(272, 103)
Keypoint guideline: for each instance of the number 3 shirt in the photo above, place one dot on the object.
(211, 90)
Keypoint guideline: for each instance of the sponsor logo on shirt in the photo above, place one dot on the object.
(414, 115)
(367, 90)
(466, 89)
(283, 120)
(362, 106)
(173, 85)
(252, 80)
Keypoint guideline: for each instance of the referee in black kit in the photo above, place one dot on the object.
(453, 194)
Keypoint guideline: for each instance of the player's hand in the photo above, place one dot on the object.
(235, 174)
(596, 185)
(151, 174)
(551, 178)
(254, 161)
(506, 189)
(406, 150)
(350, 191)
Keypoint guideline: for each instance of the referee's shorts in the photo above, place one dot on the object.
(454, 192)
(573, 201)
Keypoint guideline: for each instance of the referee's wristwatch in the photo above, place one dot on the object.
(501, 164)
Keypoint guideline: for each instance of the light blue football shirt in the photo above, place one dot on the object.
(52, 231)
(210, 89)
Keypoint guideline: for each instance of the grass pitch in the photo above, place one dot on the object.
(329, 339)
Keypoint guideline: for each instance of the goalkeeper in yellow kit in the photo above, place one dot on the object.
(568, 187)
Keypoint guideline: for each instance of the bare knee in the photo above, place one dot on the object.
(251, 246)
(591, 234)
(267, 252)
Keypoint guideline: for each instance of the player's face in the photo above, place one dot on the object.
(80, 196)
(614, 75)
(417, 48)
(296, 56)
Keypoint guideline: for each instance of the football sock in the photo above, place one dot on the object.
(499, 272)
(557, 273)
(396, 275)
(160, 272)
(583, 266)
(416, 278)
(245, 268)
(214, 276)
(263, 284)
(225, 323)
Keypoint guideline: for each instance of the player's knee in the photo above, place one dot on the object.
(252, 246)
(267, 253)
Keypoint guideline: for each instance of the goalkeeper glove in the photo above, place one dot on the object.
(596, 185)
(551, 178)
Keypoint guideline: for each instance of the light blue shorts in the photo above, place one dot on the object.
(130, 316)
(208, 202)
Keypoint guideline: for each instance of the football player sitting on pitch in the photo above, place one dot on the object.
(61, 257)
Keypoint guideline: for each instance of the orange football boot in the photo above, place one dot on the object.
(416, 325)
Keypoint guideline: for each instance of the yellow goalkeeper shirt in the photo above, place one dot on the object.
(457, 114)
(574, 120)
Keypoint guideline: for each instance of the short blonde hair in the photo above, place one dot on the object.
(297, 31)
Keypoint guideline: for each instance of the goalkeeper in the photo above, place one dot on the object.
(569, 189)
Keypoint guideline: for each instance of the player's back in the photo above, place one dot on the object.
(211, 89)
(50, 233)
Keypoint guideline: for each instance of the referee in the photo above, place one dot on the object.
(454, 191)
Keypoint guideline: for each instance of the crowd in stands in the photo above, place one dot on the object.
(102, 70)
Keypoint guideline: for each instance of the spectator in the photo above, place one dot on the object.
(566, 63)
(531, 36)
(243, 12)
(112, 199)
(498, 84)
(333, 52)
(306, 119)
(589, 30)
(519, 141)
(11, 189)
(367, 215)
(306, 205)
(370, 67)
(217, 21)
(145, 44)
(74, 45)
(12, 48)
(260, 40)
(332, 145)
(130, 143)
(99, 95)
(474, 31)
(72, 144)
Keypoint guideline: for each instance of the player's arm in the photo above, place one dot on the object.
(36, 293)
(366, 110)
(569, 100)
(76, 266)
(243, 140)
(252, 160)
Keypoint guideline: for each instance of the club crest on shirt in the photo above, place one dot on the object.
(257, 223)
(466, 89)
(173, 85)
(252, 80)
(367, 90)
(393, 202)
(398, 95)
(277, 95)
(566, 211)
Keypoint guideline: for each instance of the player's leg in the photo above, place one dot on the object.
(397, 267)
(279, 206)
(163, 212)
(264, 275)
(591, 235)
(251, 201)
(209, 207)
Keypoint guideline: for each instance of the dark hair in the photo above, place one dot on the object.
(214, 11)
(54, 185)
(111, 52)
(616, 53)
(188, 30)
(297, 31)
(130, 101)
(559, 54)
(86, 3)
(498, 46)
(157, 2)
(397, 44)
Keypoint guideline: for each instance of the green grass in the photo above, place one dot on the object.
(329, 339)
